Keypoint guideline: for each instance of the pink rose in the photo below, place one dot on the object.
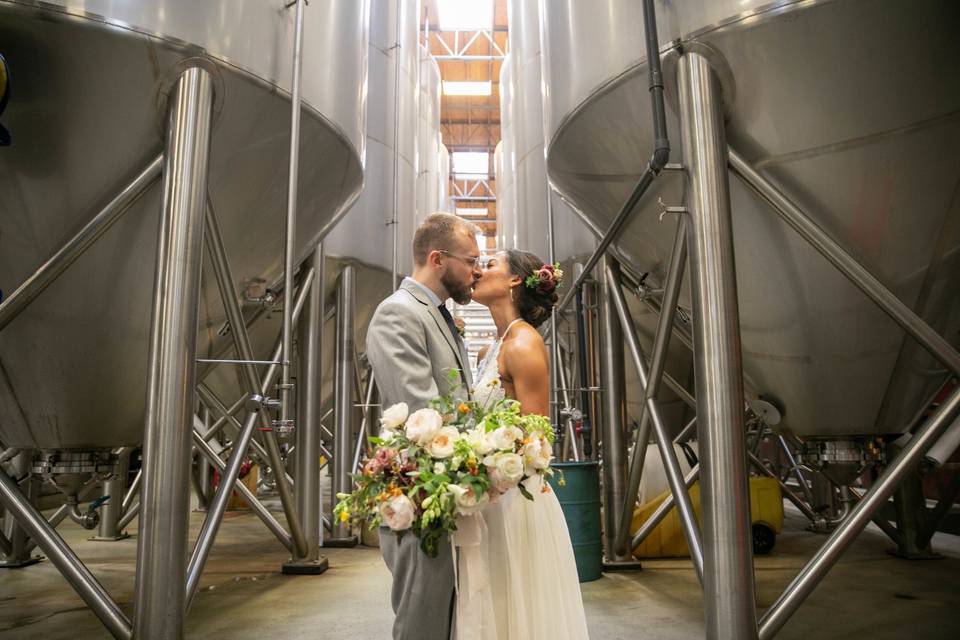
(547, 282)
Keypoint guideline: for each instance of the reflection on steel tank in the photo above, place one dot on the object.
(832, 125)
(87, 117)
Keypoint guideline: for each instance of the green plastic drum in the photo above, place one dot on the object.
(580, 499)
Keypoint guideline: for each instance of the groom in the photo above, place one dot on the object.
(414, 346)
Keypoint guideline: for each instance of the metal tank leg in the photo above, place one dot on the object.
(63, 558)
(204, 470)
(613, 396)
(17, 544)
(159, 593)
(343, 398)
(110, 512)
(308, 428)
(847, 531)
(728, 552)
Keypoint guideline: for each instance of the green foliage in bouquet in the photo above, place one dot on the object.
(430, 467)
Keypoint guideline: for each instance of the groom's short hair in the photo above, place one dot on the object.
(438, 232)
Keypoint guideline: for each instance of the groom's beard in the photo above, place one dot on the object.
(461, 293)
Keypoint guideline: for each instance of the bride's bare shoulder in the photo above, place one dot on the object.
(524, 344)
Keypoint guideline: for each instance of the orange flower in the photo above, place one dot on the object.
(464, 407)
(545, 489)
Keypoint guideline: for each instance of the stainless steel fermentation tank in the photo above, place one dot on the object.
(852, 109)
(88, 112)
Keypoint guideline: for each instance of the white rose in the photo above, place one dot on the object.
(397, 513)
(394, 416)
(505, 437)
(466, 500)
(442, 444)
(505, 469)
(439, 468)
(537, 454)
(479, 441)
(423, 425)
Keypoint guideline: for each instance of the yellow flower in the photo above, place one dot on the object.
(344, 516)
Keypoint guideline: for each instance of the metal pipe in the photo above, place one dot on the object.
(204, 470)
(238, 329)
(289, 255)
(220, 422)
(308, 430)
(651, 386)
(394, 222)
(75, 247)
(275, 527)
(686, 431)
(128, 516)
(661, 511)
(165, 492)
(6, 547)
(64, 559)
(131, 492)
(668, 454)
(210, 399)
(613, 396)
(584, 354)
(571, 432)
(343, 387)
(364, 423)
(728, 549)
(113, 488)
(797, 501)
(800, 222)
(218, 506)
(821, 563)
(802, 481)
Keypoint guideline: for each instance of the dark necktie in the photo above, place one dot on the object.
(450, 323)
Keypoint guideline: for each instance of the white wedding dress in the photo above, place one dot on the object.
(522, 573)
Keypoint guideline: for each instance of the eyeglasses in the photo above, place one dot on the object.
(470, 260)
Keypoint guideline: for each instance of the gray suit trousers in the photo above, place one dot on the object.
(423, 593)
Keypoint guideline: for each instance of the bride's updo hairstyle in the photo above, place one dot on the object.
(535, 296)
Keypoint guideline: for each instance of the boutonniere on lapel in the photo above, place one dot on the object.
(461, 327)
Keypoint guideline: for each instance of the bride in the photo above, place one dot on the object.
(532, 587)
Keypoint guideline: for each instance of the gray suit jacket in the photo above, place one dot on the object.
(413, 351)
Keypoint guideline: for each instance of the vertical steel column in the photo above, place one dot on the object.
(204, 470)
(165, 493)
(728, 552)
(114, 487)
(308, 427)
(290, 248)
(613, 397)
(343, 398)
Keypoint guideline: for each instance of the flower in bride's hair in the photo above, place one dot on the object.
(505, 437)
(443, 443)
(394, 416)
(398, 512)
(422, 426)
(467, 501)
(505, 469)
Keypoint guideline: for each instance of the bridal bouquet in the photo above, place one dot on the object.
(448, 460)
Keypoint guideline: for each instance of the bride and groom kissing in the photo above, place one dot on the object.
(519, 580)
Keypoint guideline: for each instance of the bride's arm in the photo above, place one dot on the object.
(525, 361)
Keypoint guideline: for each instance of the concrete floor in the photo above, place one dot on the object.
(243, 595)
